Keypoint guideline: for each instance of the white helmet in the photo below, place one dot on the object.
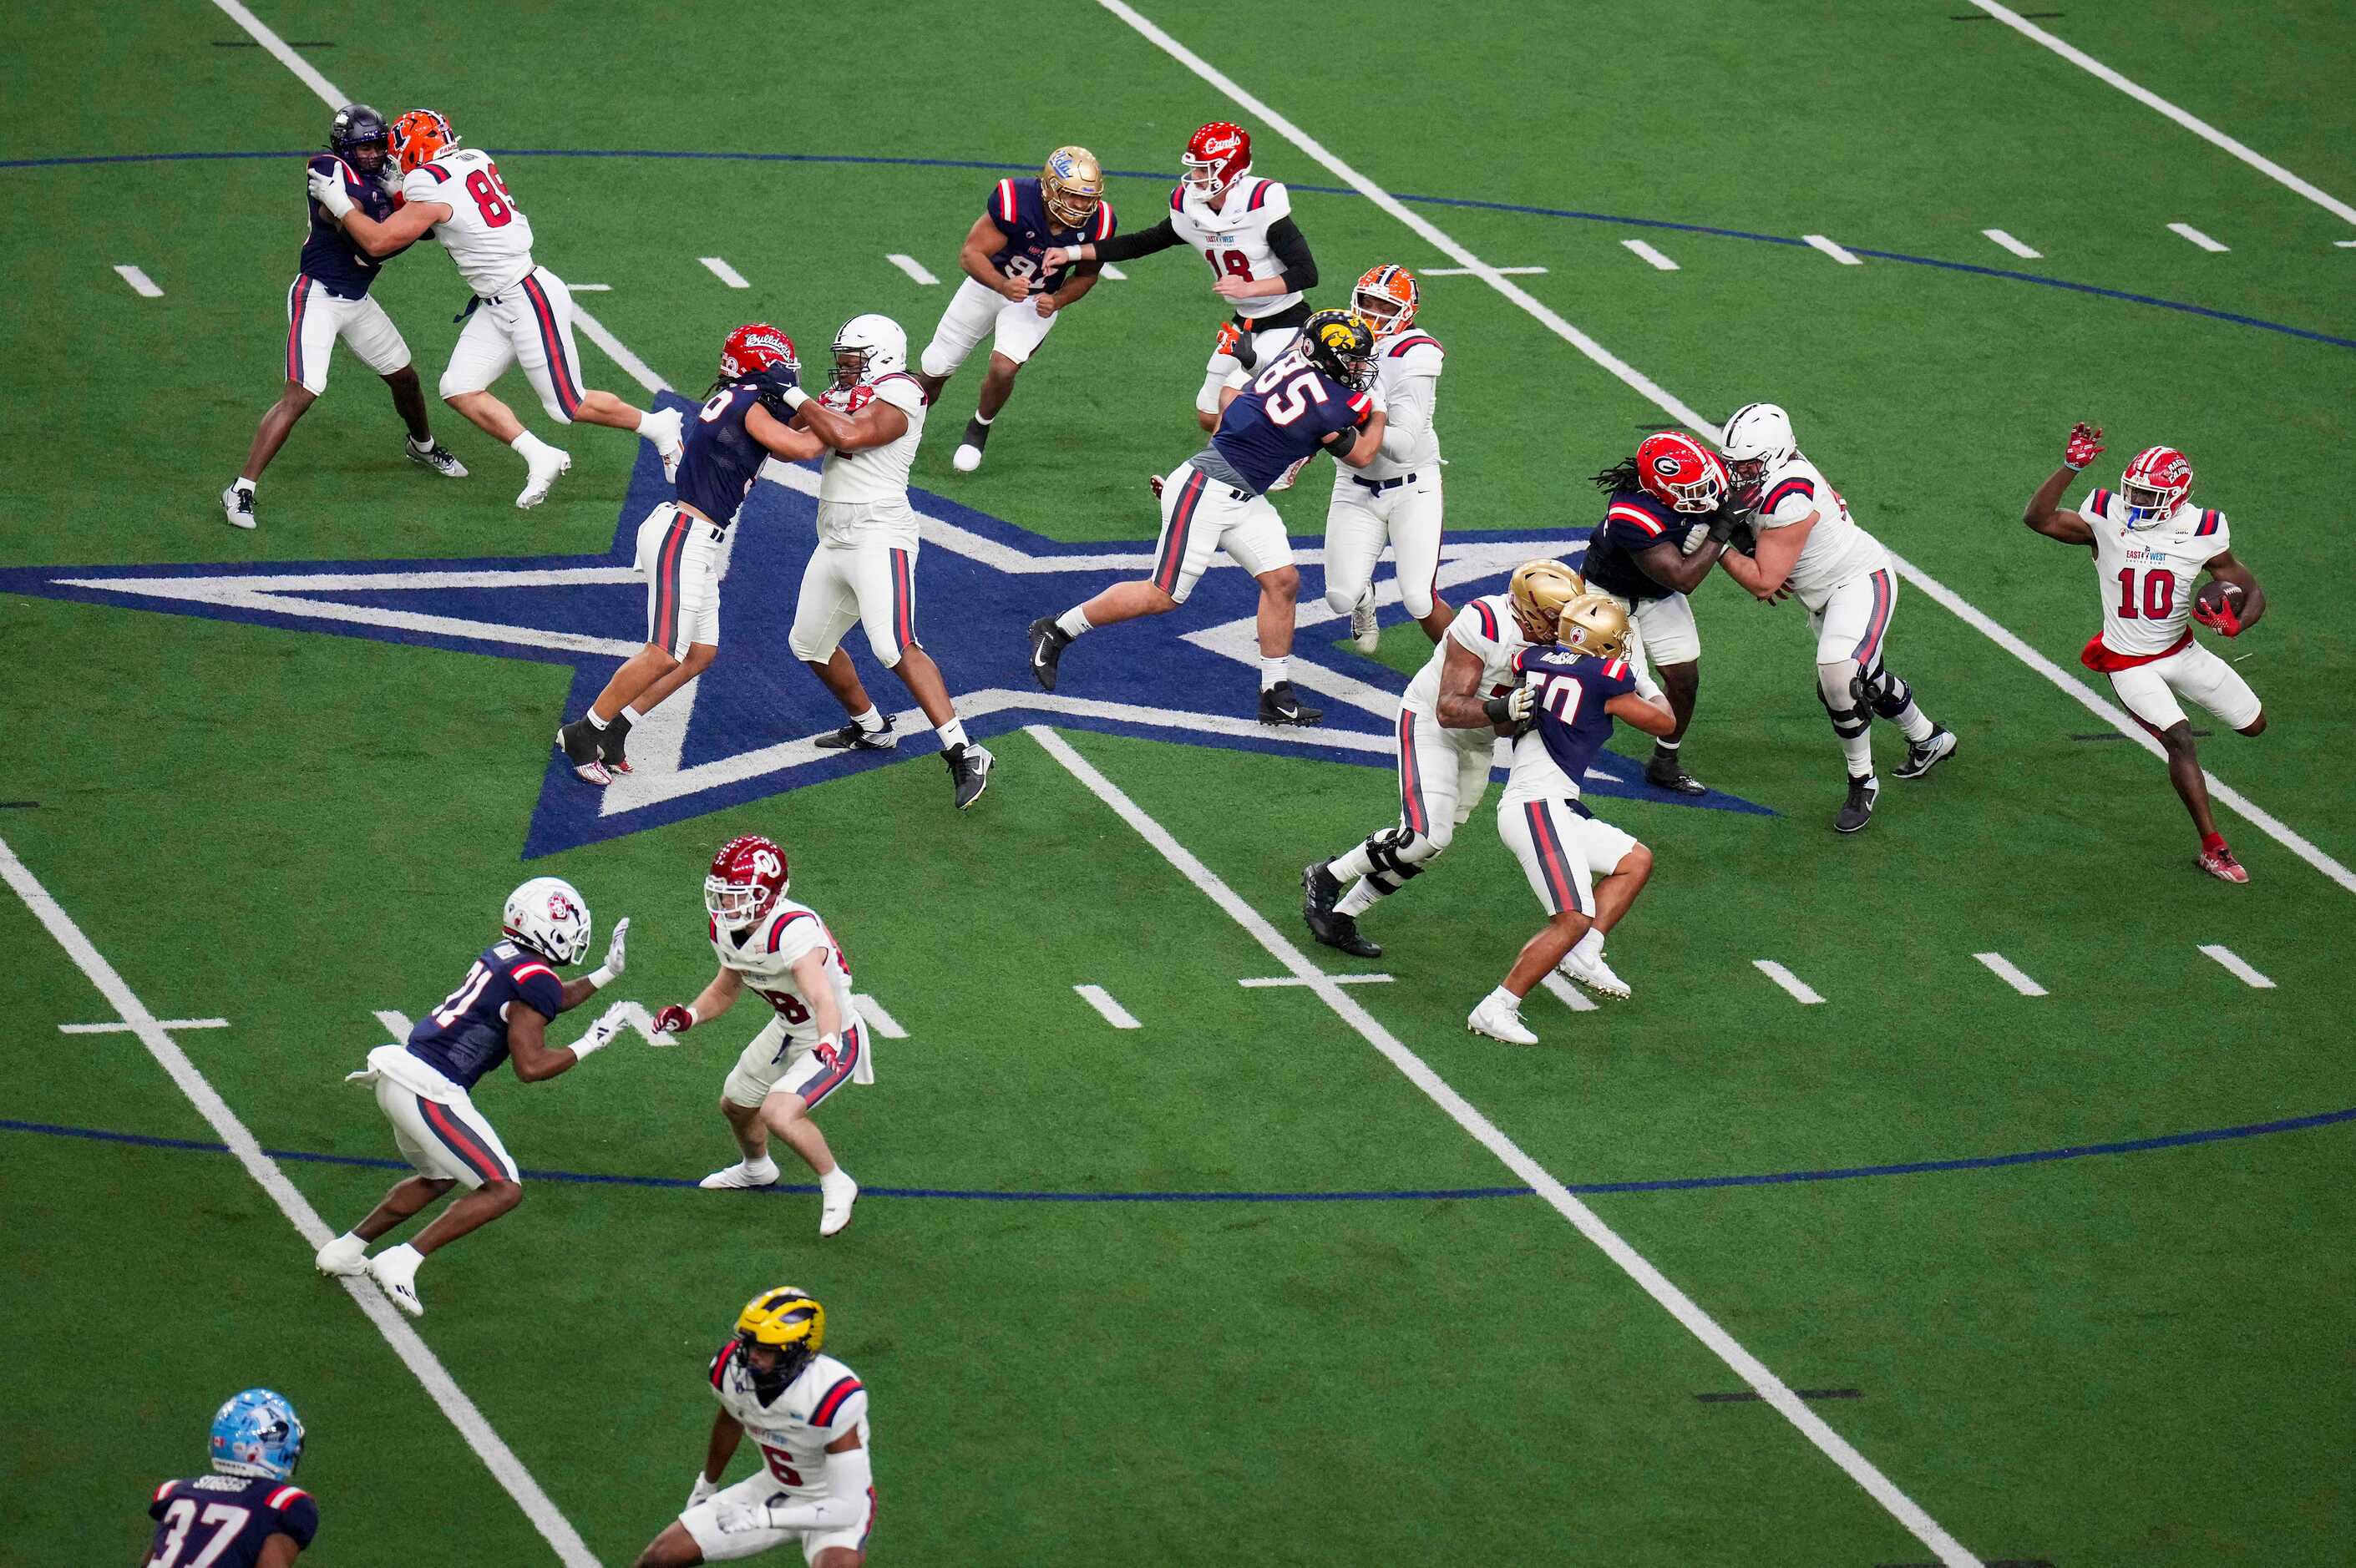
(548, 916)
(1757, 433)
(878, 343)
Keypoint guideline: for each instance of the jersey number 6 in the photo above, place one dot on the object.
(490, 194)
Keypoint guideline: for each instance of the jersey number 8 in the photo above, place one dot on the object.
(490, 194)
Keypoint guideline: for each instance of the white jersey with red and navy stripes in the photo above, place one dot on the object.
(1836, 550)
(1233, 235)
(764, 953)
(488, 236)
(823, 1405)
(2145, 575)
(1486, 627)
(874, 473)
(1407, 376)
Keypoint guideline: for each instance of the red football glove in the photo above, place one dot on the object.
(2085, 446)
(2226, 619)
(674, 1019)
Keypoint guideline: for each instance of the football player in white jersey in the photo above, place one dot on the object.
(785, 953)
(1806, 542)
(2149, 548)
(1260, 263)
(863, 572)
(1447, 737)
(521, 313)
(1396, 495)
(806, 1413)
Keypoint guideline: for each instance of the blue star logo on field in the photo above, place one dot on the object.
(745, 730)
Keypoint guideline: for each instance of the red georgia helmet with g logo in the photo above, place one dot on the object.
(1217, 156)
(754, 347)
(747, 876)
(1680, 472)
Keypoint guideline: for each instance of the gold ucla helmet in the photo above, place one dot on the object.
(785, 1320)
(1072, 186)
(1342, 344)
(1541, 589)
(1594, 623)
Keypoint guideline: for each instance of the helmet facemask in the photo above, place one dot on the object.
(734, 904)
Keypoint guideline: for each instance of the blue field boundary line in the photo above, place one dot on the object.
(1401, 1195)
(1163, 176)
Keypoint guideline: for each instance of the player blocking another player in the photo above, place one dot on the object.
(1806, 541)
(1260, 263)
(1007, 291)
(1396, 497)
(1585, 872)
(807, 1413)
(500, 1010)
(1447, 737)
(807, 1051)
(521, 312)
(2148, 547)
(329, 300)
(1312, 398)
(247, 1514)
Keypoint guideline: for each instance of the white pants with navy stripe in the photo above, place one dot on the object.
(316, 319)
(1854, 619)
(867, 579)
(1561, 850)
(1360, 518)
(778, 1062)
(530, 325)
(1200, 516)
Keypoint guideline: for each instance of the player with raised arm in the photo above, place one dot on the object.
(1396, 496)
(1670, 514)
(521, 313)
(501, 1010)
(743, 422)
(814, 1044)
(1447, 741)
(330, 299)
(2148, 549)
(247, 1514)
(1585, 872)
(1260, 263)
(863, 572)
(1806, 541)
(806, 1413)
(1312, 398)
(1007, 290)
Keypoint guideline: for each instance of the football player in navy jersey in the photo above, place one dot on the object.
(1312, 398)
(500, 1010)
(1007, 287)
(742, 423)
(247, 1514)
(329, 300)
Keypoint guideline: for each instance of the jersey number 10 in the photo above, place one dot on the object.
(2158, 594)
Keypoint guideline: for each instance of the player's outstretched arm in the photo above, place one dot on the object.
(878, 423)
(783, 440)
(2237, 618)
(2044, 513)
(1119, 248)
(717, 998)
(400, 232)
(1649, 714)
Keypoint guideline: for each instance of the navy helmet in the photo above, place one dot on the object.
(356, 130)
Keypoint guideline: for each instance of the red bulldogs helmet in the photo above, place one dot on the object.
(747, 876)
(754, 347)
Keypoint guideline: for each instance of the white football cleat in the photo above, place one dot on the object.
(1500, 1023)
(739, 1175)
(966, 459)
(1365, 629)
(543, 474)
(346, 1256)
(670, 445)
(395, 1270)
(839, 1192)
(237, 506)
(1595, 974)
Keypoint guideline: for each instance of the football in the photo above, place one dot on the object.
(2215, 595)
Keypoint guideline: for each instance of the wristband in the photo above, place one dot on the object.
(602, 977)
(591, 1041)
(1498, 709)
(794, 398)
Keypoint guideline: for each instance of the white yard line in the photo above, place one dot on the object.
(2150, 100)
(635, 368)
(413, 1352)
(1112, 273)
(398, 1024)
(2186, 231)
(327, 92)
(1474, 272)
(1746, 1366)
(1569, 995)
(723, 272)
(140, 283)
(2015, 246)
(1829, 248)
(1298, 980)
(2235, 967)
(912, 267)
(1800, 990)
(133, 1028)
(1646, 253)
(590, 288)
(2004, 969)
(884, 1024)
(1112, 1012)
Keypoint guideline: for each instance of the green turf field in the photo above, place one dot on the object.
(1230, 1284)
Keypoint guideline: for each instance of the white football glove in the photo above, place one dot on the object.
(603, 1033)
(703, 1488)
(1521, 702)
(327, 190)
(614, 958)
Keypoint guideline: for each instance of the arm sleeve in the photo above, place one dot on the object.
(1408, 416)
(850, 1476)
(1136, 242)
(1291, 248)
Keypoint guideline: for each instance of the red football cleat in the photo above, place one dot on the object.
(2219, 863)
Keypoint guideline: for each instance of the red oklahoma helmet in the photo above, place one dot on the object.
(747, 876)
(754, 347)
(1217, 156)
(1680, 472)
(2155, 484)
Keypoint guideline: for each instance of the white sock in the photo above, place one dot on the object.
(764, 1165)
(1351, 863)
(835, 1177)
(594, 722)
(952, 734)
(1505, 999)
(1591, 946)
(652, 418)
(417, 445)
(869, 722)
(1207, 399)
(1859, 749)
(1073, 622)
(531, 445)
(1361, 898)
(1915, 725)
(242, 483)
(1271, 670)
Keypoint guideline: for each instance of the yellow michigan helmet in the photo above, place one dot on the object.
(1072, 185)
(1594, 623)
(1541, 589)
(786, 1320)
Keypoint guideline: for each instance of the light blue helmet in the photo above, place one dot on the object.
(256, 1433)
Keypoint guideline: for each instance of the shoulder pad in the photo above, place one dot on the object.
(1417, 346)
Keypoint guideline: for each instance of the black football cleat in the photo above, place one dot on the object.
(1279, 704)
(580, 745)
(969, 768)
(1319, 889)
(437, 458)
(851, 737)
(1048, 642)
(1858, 809)
(609, 745)
(1668, 771)
(1921, 759)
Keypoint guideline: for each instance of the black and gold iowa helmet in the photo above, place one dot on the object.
(1341, 343)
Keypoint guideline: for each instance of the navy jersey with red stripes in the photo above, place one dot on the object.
(1290, 411)
(1634, 522)
(467, 1036)
(1572, 690)
(331, 256)
(721, 460)
(223, 1522)
(1019, 211)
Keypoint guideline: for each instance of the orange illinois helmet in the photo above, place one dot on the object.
(1386, 296)
(419, 136)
